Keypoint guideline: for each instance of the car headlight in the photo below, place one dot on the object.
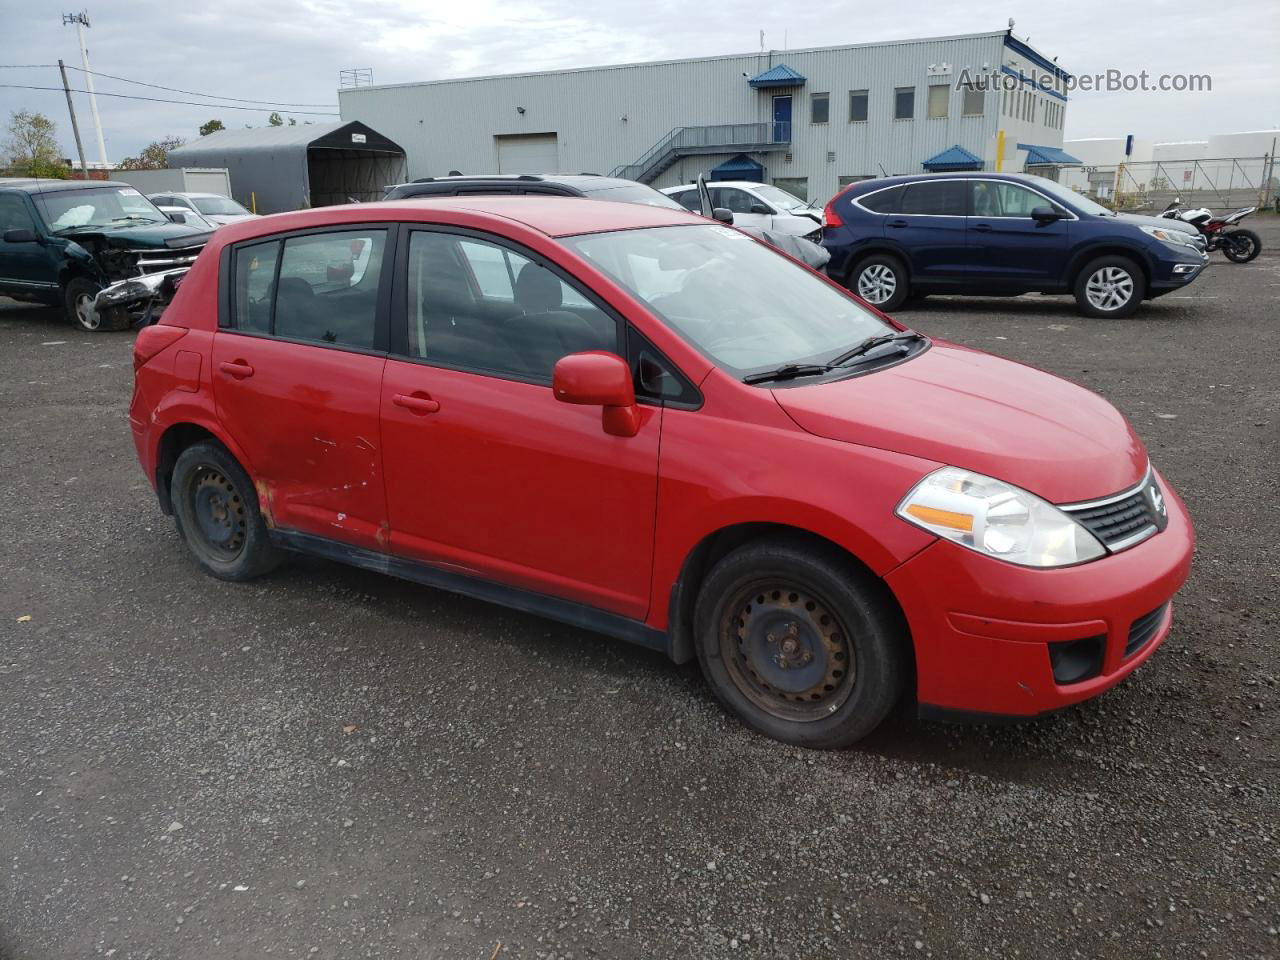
(997, 519)
(1176, 237)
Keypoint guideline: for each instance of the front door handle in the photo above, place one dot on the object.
(897, 224)
(984, 227)
(416, 403)
(237, 369)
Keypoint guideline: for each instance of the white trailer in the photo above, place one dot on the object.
(177, 180)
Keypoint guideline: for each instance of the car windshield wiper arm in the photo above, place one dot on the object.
(788, 371)
(135, 216)
(866, 346)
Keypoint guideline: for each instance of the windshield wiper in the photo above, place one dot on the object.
(788, 371)
(866, 346)
(134, 216)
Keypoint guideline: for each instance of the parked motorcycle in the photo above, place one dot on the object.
(1239, 245)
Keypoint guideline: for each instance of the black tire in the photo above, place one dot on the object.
(801, 643)
(77, 303)
(1110, 280)
(1241, 246)
(880, 275)
(215, 506)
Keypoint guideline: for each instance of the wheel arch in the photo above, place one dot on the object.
(704, 555)
(1082, 258)
(178, 436)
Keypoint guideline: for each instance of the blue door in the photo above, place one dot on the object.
(929, 226)
(1008, 248)
(782, 119)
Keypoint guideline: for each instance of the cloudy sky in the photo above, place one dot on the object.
(292, 50)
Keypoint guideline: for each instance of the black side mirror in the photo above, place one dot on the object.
(723, 214)
(21, 236)
(760, 208)
(1045, 214)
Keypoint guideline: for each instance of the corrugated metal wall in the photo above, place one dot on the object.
(607, 116)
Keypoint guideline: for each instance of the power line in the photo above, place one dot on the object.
(195, 93)
(157, 86)
(193, 103)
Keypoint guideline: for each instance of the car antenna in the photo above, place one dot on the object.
(883, 171)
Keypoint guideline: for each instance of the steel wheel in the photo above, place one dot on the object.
(787, 652)
(86, 315)
(219, 511)
(1109, 288)
(877, 283)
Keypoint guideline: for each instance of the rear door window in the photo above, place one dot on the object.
(935, 198)
(317, 288)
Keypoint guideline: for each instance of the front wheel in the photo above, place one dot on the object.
(78, 304)
(799, 642)
(1241, 245)
(216, 509)
(881, 280)
(1109, 287)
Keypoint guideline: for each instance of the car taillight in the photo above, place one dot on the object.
(829, 216)
(151, 340)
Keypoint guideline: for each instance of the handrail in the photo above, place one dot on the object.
(707, 136)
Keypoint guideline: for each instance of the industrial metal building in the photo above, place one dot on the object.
(809, 121)
(293, 167)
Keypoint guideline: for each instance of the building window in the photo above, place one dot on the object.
(857, 106)
(904, 103)
(796, 186)
(939, 94)
(819, 107)
(973, 103)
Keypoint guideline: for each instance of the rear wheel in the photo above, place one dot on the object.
(1109, 287)
(216, 509)
(881, 280)
(1241, 245)
(800, 643)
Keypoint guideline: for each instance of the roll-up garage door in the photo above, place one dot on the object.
(528, 153)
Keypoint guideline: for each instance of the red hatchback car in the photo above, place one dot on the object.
(635, 421)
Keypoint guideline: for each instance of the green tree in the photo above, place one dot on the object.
(32, 148)
(154, 156)
(213, 126)
(275, 120)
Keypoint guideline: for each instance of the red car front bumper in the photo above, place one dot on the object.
(983, 629)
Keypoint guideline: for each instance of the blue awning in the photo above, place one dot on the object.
(953, 158)
(740, 167)
(779, 76)
(1047, 156)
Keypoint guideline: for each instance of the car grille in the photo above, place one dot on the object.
(1143, 629)
(155, 261)
(1120, 521)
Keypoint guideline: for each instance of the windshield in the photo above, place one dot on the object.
(740, 303)
(779, 197)
(1077, 200)
(219, 206)
(638, 193)
(97, 207)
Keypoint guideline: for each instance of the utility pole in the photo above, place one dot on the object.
(81, 20)
(75, 128)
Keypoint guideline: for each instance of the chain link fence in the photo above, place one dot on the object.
(1223, 183)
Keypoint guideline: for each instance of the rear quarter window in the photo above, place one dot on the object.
(882, 201)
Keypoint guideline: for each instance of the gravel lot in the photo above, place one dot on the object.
(332, 764)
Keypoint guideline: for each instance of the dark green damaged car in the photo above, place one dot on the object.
(63, 241)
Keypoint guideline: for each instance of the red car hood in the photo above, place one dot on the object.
(969, 409)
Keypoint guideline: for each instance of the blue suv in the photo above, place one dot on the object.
(999, 234)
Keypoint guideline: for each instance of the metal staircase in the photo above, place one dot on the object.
(717, 138)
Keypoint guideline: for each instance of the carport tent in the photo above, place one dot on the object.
(293, 167)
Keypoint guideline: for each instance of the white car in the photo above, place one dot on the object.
(760, 205)
(188, 216)
(214, 207)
